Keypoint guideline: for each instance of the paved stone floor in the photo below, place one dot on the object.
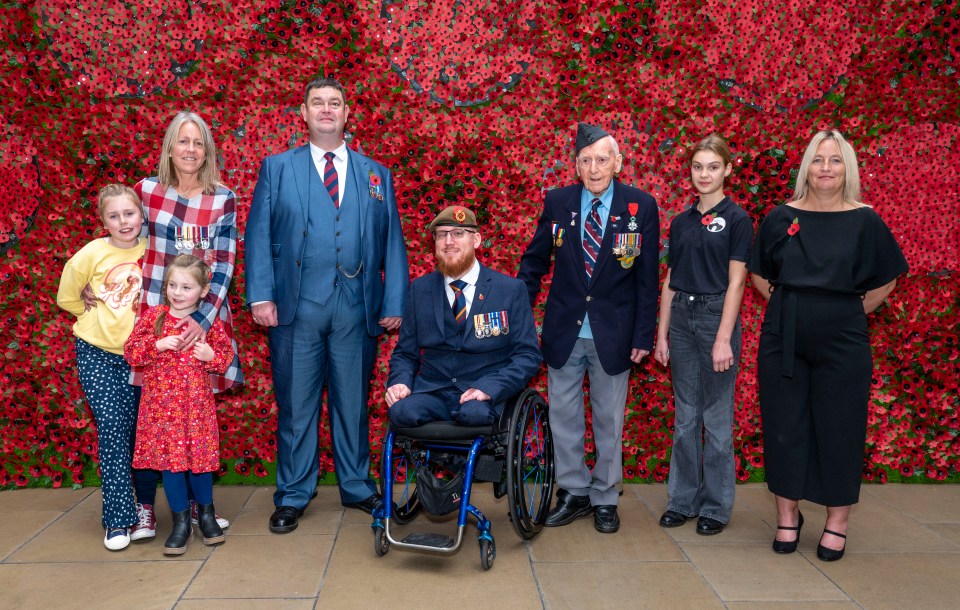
(903, 552)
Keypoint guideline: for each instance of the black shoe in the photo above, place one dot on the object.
(788, 547)
(285, 519)
(825, 554)
(708, 527)
(569, 507)
(182, 533)
(500, 489)
(672, 518)
(367, 505)
(207, 522)
(605, 519)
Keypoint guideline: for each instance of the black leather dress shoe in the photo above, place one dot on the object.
(569, 508)
(285, 519)
(672, 518)
(708, 527)
(605, 519)
(367, 505)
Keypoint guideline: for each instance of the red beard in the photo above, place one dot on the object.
(454, 267)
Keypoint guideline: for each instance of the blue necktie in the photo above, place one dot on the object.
(459, 303)
(330, 179)
(592, 236)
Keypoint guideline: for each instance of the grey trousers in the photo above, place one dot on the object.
(608, 394)
(702, 464)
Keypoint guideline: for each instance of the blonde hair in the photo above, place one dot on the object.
(117, 190)
(851, 182)
(192, 265)
(209, 172)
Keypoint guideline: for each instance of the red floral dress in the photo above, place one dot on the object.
(177, 427)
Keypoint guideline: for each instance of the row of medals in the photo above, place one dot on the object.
(188, 238)
(487, 324)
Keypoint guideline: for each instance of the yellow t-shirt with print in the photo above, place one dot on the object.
(114, 275)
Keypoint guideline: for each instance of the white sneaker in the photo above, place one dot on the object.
(116, 538)
(146, 526)
(195, 519)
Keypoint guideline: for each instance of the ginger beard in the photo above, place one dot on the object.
(456, 256)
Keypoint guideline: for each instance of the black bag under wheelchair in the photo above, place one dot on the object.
(433, 467)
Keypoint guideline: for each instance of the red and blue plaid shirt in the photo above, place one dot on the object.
(208, 225)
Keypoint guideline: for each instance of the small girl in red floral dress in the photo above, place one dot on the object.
(177, 430)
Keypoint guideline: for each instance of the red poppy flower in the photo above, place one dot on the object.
(794, 227)
(706, 220)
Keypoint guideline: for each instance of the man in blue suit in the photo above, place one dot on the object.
(600, 318)
(468, 342)
(326, 273)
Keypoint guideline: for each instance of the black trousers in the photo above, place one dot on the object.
(814, 368)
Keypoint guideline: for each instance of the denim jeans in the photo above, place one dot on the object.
(702, 467)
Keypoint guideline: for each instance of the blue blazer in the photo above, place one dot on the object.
(622, 303)
(277, 225)
(425, 360)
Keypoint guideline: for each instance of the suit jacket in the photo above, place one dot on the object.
(622, 303)
(500, 365)
(277, 228)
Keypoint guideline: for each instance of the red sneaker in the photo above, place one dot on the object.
(146, 526)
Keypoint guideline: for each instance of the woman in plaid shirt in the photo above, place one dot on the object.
(189, 211)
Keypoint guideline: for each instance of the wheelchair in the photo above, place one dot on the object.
(515, 453)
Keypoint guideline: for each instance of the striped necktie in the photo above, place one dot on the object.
(592, 236)
(459, 303)
(330, 179)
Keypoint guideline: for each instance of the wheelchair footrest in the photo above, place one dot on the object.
(437, 541)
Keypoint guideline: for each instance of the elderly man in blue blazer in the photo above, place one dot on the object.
(326, 273)
(603, 239)
(468, 342)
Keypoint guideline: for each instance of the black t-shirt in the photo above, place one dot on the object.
(702, 246)
(849, 252)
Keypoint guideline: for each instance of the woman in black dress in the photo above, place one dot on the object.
(823, 260)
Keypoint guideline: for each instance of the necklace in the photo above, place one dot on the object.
(189, 192)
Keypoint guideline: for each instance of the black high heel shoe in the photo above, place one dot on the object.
(825, 554)
(782, 547)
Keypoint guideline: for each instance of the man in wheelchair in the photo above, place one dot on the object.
(468, 342)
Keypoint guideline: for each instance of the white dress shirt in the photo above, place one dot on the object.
(470, 277)
(340, 162)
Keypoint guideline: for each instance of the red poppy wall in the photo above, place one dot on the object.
(476, 101)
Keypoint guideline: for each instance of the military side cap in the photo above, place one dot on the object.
(454, 216)
(587, 135)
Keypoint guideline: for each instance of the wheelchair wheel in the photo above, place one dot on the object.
(380, 543)
(406, 500)
(488, 552)
(529, 465)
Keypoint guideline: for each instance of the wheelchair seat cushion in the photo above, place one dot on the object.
(447, 430)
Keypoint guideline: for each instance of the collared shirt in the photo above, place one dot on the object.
(340, 162)
(700, 254)
(470, 277)
(586, 206)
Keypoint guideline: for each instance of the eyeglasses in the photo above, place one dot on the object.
(455, 233)
(601, 162)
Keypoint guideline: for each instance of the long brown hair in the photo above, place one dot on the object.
(712, 143)
(192, 265)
